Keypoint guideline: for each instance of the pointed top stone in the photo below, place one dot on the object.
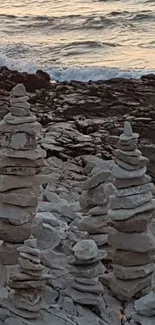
(18, 91)
(127, 129)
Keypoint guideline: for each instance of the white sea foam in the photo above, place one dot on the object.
(73, 73)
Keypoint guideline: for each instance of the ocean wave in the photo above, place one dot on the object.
(73, 73)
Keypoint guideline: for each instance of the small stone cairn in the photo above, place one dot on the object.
(25, 298)
(94, 201)
(131, 210)
(20, 161)
(86, 268)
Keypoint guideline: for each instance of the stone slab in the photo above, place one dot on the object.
(129, 202)
(18, 141)
(30, 128)
(135, 242)
(133, 190)
(132, 272)
(23, 154)
(137, 223)
(125, 290)
(18, 120)
(96, 180)
(126, 183)
(124, 214)
(122, 173)
(16, 215)
(21, 197)
(84, 298)
(129, 258)
(15, 234)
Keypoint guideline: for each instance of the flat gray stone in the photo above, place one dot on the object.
(23, 154)
(15, 234)
(100, 239)
(129, 258)
(127, 182)
(121, 173)
(85, 250)
(89, 271)
(15, 120)
(93, 225)
(18, 141)
(123, 214)
(137, 223)
(49, 237)
(129, 202)
(30, 128)
(16, 215)
(136, 242)
(84, 298)
(88, 281)
(125, 290)
(132, 272)
(21, 197)
(140, 189)
(97, 288)
(131, 157)
(96, 180)
(142, 320)
(145, 306)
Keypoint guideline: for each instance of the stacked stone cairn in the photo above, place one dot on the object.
(94, 202)
(86, 269)
(28, 283)
(131, 210)
(20, 161)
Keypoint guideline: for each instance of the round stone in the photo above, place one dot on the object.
(86, 249)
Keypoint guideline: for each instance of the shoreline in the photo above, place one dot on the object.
(89, 116)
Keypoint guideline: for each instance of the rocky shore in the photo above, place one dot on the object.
(86, 118)
(81, 126)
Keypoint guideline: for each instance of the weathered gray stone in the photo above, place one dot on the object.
(123, 214)
(142, 320)
(85, 249)
(100, 239)
(98, 210)
(127, 131)
(30, 128)
(16, 215)
(22, 101)
(20, 111)
(145, 306)
(122, 173)
(24, 154)
(129, 258)
(129, 167)
(136, 242)
(97, 288)
(21, 197)
(84, 298)
(14, 234)
(9, 254)
(28, 249)
(140, 189)
(88, 281)
(132, 272)
(18, 141)
(129, 202)
(96, 180)
(89, 271)
(18, 91)
(125, 290)
(49, 237)
(28, 265)
(137, 223)
(93, 225)
(18, 120)
(127, 182)
(134, 157)
(8, 182)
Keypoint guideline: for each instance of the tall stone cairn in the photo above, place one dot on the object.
(131, 209)
(20, 161)
(28, 283)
